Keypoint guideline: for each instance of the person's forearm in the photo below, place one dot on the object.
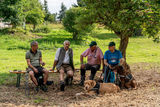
(29, 65)
(121, 61)
(54, 64)
(102, 65)
(81, 59)
(41, 62)
(105, 63)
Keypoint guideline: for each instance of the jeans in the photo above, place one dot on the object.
(109, 76)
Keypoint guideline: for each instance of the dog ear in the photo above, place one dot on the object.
(93, 83)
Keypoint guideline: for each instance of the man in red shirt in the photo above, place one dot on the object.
(94, 58)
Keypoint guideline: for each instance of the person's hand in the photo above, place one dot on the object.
(52, 69)
(110, 66)
(102, 76)
(82, 65)
(35, 70)
(103, 69)
(43, 64)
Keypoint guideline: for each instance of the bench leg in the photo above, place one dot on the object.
(27, 84)
(18, 80)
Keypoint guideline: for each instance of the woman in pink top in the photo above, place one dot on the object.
(94, 58)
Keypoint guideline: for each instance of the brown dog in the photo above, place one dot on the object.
(125, 77)
(100, 88)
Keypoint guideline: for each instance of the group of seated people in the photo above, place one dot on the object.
(63, 62)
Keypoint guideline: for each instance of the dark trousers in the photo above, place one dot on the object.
(109, 75)
(93, 69)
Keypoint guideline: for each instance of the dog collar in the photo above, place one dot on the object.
(96, 88)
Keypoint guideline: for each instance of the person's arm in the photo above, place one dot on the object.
(41, 62)
(84, 54)
(81, 59)
(121, 59)
(54, 64)
(56, 58)
(29, 65)
(72, 60)
(105, 62)
(102, 60)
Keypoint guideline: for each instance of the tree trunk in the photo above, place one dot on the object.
(34, 27)
(75, 36)
(123, 45)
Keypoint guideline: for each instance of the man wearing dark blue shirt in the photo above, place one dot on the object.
(112, 57)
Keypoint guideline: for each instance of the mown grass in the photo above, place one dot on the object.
(14, 46)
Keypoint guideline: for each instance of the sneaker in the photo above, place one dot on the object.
(44, 88)
(62, 86)
(49, 83)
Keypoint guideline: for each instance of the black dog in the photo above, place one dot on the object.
(124, 79)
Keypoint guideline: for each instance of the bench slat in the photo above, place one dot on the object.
(22, 71)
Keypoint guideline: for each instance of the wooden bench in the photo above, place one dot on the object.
(19, 72)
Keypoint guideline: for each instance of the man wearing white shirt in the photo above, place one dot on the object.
(64, 64)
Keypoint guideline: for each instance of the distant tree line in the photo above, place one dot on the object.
(18, 12)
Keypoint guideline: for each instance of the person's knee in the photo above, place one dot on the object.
(46, 72)
(70, 73)
(61, 71)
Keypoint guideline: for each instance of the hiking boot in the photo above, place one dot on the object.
(37, 88)
(49, 82)
(44, 88)
(62, 86)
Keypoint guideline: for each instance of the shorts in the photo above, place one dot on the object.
(66, 68)
(39, 68)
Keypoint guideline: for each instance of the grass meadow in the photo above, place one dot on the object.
(14, 46)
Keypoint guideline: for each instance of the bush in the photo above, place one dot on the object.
(12, 30)
(43, 29)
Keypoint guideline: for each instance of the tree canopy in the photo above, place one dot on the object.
(18, 11)
(9, 11)
(123, 17)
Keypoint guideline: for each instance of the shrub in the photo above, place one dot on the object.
(43, 29)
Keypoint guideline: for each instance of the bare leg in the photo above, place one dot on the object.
(70, 74)
(31, 73)
(45, 76)
(61, 71)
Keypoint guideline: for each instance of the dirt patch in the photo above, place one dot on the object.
(147, 94)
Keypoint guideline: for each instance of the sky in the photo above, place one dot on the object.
(54, 6)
